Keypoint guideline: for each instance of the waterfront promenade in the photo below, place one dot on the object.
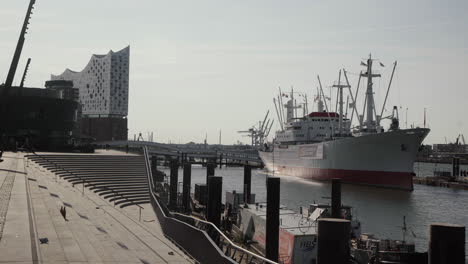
(33, 229)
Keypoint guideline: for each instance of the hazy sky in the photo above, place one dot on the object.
(200, 66)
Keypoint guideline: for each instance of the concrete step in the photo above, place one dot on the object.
(110, 183)
(124, 241)
(112, 194)
(85, 171)
(101, 167)
(93, 180)
(102, 243)
(127, 240)
(49, 225)
(130, 197)
(97, 176)
(91, 156)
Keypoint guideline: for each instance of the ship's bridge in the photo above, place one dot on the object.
(314, 127)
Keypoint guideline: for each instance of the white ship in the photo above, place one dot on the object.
(322, 145)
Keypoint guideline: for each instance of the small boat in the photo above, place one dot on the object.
(297, 232)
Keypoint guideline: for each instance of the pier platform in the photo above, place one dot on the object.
(34, 229)
(438, 182)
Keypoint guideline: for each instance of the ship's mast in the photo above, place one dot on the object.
(320, 102)
(370, 94)
(340, 101)
(291, 107)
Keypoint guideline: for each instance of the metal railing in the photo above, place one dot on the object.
(84, 181)
(233, 252)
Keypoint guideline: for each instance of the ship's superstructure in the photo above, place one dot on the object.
(322, 145)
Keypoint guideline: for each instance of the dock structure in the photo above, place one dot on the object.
(218, 155)
(441, 182)
(46, 218)
(100, 208)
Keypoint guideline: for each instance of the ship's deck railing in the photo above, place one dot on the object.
(231, 252)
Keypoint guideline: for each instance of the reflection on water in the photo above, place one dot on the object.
(380, 210)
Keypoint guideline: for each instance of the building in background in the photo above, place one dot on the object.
(103, 94)
(64, 89)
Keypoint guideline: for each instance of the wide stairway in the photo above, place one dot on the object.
(92, 229)
(121, 179)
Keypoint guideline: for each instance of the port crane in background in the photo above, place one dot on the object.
(457, 141)
(258, 133)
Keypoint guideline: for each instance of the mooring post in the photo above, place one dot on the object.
(186, 186)
(447, 244)
(272, 219)
(210, 170)
(458, 168)
(454, 166)
(154, 168)
(247, 183)
(214, 200)
(333, 241)
(173, 184)
(336, 198)
(154, 165)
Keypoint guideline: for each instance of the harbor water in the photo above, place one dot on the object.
(380, 210)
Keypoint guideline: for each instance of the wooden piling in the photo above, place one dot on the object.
(174, 166)
(247, 183)
(333, 241)
(210, 170)
(447, 244)
(187, 179)
(336, 198)
(272, 219)
(215, 186)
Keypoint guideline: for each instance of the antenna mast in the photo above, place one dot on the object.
(326, 107)
(388, 89)
(340, 99)
(19, 49)
(354, 98)
(278, 114)
(370, 94)
(281, 106)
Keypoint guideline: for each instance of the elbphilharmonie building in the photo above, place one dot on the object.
(103, 93)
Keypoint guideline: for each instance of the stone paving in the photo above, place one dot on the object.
(92, 230)
(5, 193)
